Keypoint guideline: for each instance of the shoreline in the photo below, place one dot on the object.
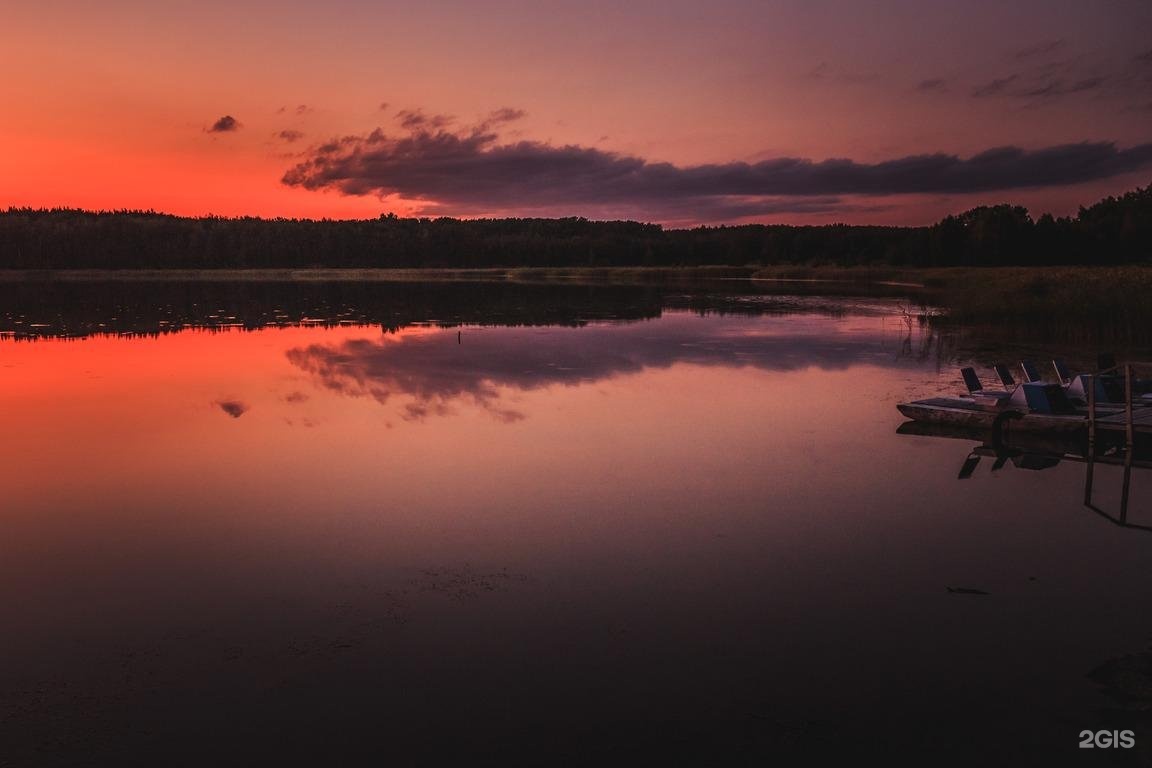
(320, 274)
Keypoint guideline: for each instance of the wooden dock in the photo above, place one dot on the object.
(1131, 420)
(1141, 420)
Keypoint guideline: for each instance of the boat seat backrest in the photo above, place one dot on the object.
(1005, 375)
(1030, 372)
(971, 380)
(1062, 372)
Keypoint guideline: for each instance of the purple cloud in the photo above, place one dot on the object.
(226, 124)
(233, 408)
(994, 87)
(472, 170)
(415, 120)
(1054, 88)
(934, 85)
(1041, 49)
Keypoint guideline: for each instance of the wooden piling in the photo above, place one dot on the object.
(1092, 412)
(1128, 431)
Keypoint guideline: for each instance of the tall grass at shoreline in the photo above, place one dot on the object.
(1070, 304)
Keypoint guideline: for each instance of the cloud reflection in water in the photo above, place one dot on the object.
(437, 372)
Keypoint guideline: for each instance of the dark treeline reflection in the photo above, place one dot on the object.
(32, 309)
(39, 309)
(75, 309)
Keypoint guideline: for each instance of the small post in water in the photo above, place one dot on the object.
(1091, 463)
(1091, 412)
(1128, 404)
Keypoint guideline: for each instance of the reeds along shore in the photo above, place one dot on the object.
(1070, 304)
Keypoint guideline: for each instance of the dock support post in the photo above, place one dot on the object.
(1127, 486)
(1128, 406)
(1091, 413)
(1090, 465)
(1089, 475)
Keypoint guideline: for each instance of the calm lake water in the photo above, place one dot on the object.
(402, 524)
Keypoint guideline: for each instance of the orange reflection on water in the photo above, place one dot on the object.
(248, 428)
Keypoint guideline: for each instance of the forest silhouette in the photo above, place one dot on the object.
(1116, 230)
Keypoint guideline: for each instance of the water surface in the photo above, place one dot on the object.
(566, 525)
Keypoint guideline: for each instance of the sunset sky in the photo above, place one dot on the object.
(677, 112)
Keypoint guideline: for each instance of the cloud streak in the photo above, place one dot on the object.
(1041, 87)
(994, 87)
(1054, 88)
(473, 170)
(1041, 49)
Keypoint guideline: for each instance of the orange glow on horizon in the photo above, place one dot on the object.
(111, 105)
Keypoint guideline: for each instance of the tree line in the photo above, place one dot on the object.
(1116, 230)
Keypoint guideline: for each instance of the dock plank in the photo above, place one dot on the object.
(1141, 420)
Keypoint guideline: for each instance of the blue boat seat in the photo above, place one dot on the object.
(1078, 389)
(1046, 398)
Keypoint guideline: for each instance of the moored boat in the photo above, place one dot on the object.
(963, 412)
(1036, 406)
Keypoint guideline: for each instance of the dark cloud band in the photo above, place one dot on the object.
(473, 170)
